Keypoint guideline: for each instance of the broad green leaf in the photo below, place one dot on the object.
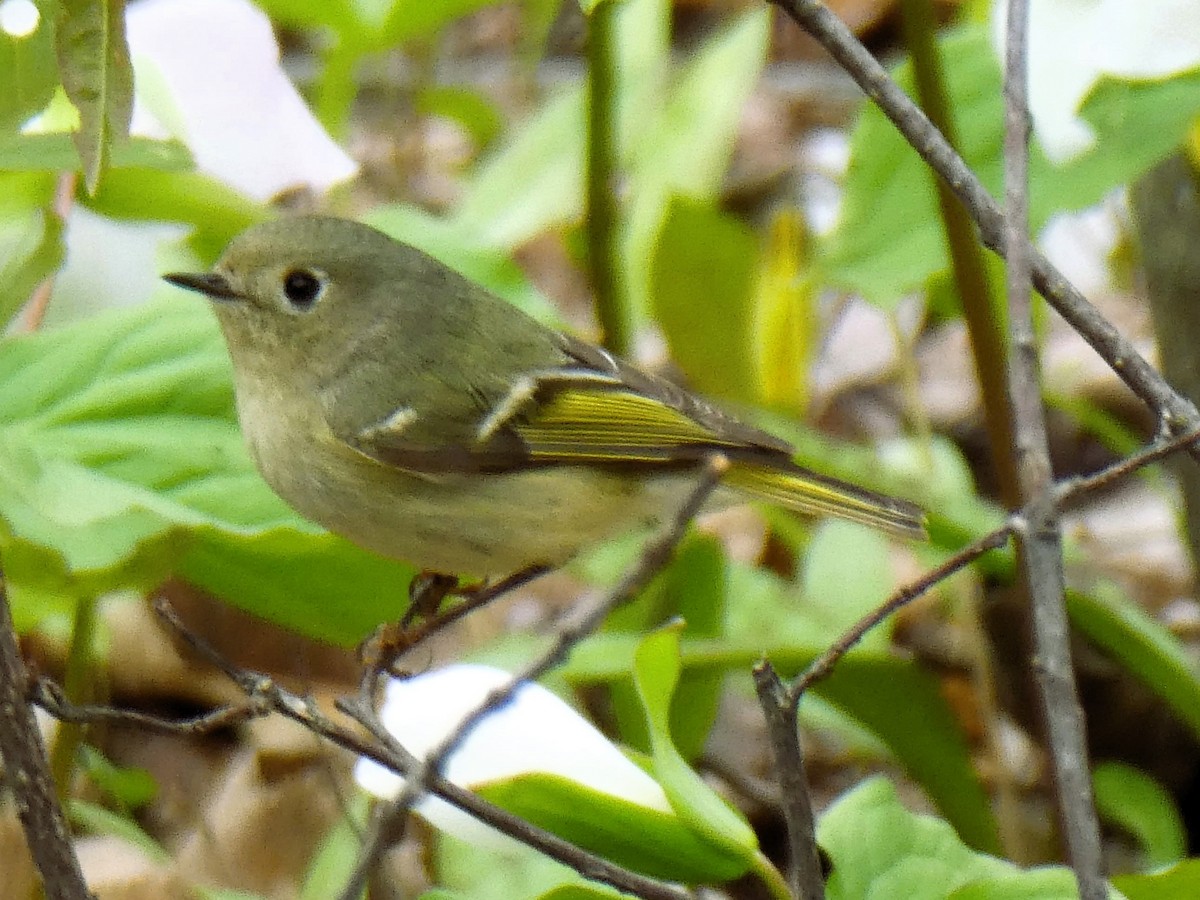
(1140, 806)
(580, 892)
(417, 19)
(880, 849)
(692, 587)
(532, 183)
(889, 240)
(122, 462)
(684, 148)
(701, 283)
(847, 575)
(472, 872)
(31, 249)
(645, 840)
(217, 211)
(54, 152)
(30, 72)
(1179, 882)
(93, 60)
(886, 694)
(535, 182)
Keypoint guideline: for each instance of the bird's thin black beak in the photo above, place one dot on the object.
(208, 283)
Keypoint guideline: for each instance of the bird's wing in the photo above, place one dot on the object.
(592, 410)
(598, 411)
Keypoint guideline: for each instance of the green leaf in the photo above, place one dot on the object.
(847, 575)
(132, 788)
(31, 249)
(99, 820)
(54, 152)
(335, 860)
(218, 212)
(580, 892)
(880, 849)
(1141, 645)
(1179, 882)
(703, 256)
(683, 146)
(533, 182)
(1140, 806)
(884, 693)
(416, 19)
(466, 871)
(93, 60)
(656, 669)
(122, 461)
(889, 240)
(645, 840)
(31, 74)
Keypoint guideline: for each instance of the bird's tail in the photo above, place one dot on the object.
(812, 494)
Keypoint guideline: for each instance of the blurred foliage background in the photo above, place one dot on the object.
(698, 187)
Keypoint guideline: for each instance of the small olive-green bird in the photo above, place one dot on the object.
(393, 401)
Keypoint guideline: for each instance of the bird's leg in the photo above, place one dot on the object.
(379, 652)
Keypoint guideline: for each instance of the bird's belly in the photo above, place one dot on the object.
(478, 525)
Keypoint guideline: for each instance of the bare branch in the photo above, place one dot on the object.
(1176, 411)
(788, 756)
(380, 747)
(1039, 537)
(27, 773)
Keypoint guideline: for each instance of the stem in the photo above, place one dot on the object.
(612, 308)
(966, 257)
(1039, 540)
(77, 682)
(27, 773)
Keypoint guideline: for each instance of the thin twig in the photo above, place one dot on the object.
(823, 665)
(1038, 535)
(1176, 411)
(50, 697)
(656, 555)
(64, 199)
(1069, 490)
(27, 773)
(383, 749)
(788, 757)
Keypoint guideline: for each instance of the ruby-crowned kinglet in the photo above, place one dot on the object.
(388, 398)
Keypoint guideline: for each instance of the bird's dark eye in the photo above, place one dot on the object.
(302, 288)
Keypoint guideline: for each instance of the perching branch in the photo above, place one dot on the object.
(264, 692)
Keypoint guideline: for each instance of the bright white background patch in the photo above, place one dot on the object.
(209, 74)
(1073, 43)
(19, 18)
(535, 732)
